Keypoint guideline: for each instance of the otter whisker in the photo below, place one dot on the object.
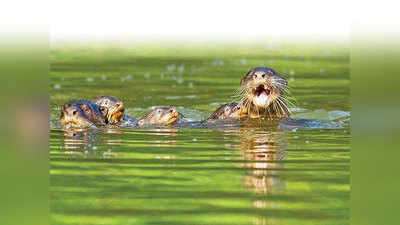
(283, 106)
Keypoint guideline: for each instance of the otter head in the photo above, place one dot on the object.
(263, 89)
(160, 116)
(73, 116)
(226, 111)
(111, 108)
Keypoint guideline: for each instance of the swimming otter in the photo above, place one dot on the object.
(160, 116)
(226, 111)
(111, 108)
(81, 114)
(263, 94)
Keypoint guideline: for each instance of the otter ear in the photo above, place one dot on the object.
(241, 81)
(86, 109)
(64, 107)
(245, 78)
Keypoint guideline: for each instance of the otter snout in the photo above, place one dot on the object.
(260, 76)
(172, 110)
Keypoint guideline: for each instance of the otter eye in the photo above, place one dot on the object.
(263, 75)
(74, 112)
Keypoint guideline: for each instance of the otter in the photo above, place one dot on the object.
(264, 94)
(226, 111)
(160, 116)
(82, 114)
(111, 108)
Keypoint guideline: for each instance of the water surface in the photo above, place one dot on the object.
(255, 173)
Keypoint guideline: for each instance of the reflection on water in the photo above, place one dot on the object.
(263, 152)
(253, 155)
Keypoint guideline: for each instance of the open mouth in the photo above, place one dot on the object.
(261, 89)
(71, 124)
(117, 115)
(173, 118)
(261, 95)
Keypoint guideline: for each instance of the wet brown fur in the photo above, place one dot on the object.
(160, 116)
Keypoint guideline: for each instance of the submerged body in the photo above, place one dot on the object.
(226, 111)
(160, 116)
(263, 94)
(81, 114)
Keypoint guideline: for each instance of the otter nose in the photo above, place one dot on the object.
(260, 76)
(172, 110)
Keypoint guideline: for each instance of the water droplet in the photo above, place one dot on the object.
(194, 139)
(171, 68)
(147, 75)
(57, 86)
(190, 85)
(218, 62)
(180, 80)
(89, 79)
(181, 68)
(173, 97)
(104, 77)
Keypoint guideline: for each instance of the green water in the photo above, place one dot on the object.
(253, 174)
